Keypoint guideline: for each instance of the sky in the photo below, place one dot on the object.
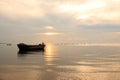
(74, 21)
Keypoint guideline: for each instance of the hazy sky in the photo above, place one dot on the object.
(90, 21)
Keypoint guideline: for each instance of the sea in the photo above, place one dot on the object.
(60, 62)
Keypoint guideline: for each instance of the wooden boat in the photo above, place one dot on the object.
(26, 47)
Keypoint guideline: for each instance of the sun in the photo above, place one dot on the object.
(52, 33)
(49, 27)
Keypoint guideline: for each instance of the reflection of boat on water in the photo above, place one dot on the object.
(23, 53)
(30, 51)
(25, 47)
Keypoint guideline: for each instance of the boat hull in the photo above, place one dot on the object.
(24, 47)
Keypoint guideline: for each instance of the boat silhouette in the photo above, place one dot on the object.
(26, 47)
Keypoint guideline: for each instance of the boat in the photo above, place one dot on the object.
(8, 44)
(26, 47)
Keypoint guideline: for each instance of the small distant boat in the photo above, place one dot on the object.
(26, 47)
(8, 44)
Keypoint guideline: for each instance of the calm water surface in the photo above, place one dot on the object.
(60, 62)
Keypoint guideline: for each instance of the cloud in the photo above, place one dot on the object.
(101, 27)
(79, 19)
(85, 12)
(20, 8)
(49, 27)
(94, 12)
